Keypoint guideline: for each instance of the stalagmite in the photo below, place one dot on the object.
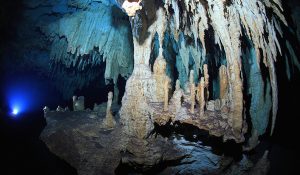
(46, 109)
(206, 76)
(175, 102)
(59, 109)
(192, 91)
(223, 81)
(136, 114)
(78, 103)
(159, 70)
(206, 80)
(210, 105)
(109, 120)
(166, 97)
(200, 96)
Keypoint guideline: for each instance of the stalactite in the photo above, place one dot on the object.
(116, 93)
(273, 79)
(259, 21)
(259, 91)
(99, 36)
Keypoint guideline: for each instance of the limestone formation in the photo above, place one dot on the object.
(206, 75)
(166, 95)
(109, 120)
(116, 93)
(60, 109)
(230, 21)
(210, 105)
(136, 114)
(236, 98)
(223, 80)
(92, 150)
(218, 104)
(176, 100)
(253, 141)
(206, 80)
(141, 87)
(131, 7)
(86, 39)
(46, 109)
(200, 96)
(192, 92)
(162, 80)
(78, 103)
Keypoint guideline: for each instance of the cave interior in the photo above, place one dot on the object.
(93, 87)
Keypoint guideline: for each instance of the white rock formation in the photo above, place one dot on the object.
(223, 80)
(192, 92)
(131, 7)
(159, 73)
(46, 109)
(78, 103)
(136, 114)
(176, 100)
(200, 96)
(60, 109)
(109, 120)
(228, 23)
(92, 37)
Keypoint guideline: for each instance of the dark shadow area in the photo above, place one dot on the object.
(21, 150)
(194, 134)
(126, 169)
(11, 13)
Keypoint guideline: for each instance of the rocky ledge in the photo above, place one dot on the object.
(83, 140)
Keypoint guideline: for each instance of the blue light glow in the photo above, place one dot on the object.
(15, 111)
(23, 95)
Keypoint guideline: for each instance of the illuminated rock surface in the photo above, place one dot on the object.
(84, 142)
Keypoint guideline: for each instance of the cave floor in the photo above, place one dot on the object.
(81, 139)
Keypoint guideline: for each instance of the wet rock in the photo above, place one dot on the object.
(91, 148)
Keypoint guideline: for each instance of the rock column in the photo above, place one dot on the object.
(201, 98)
(109, 120)
(223, 82)
(192, 89)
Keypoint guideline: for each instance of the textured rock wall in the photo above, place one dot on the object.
(81, 40)
(259, 21)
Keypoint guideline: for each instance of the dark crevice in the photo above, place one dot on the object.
(194, 134)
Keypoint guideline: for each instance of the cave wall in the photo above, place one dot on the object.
(194, 26)
(72, 43)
